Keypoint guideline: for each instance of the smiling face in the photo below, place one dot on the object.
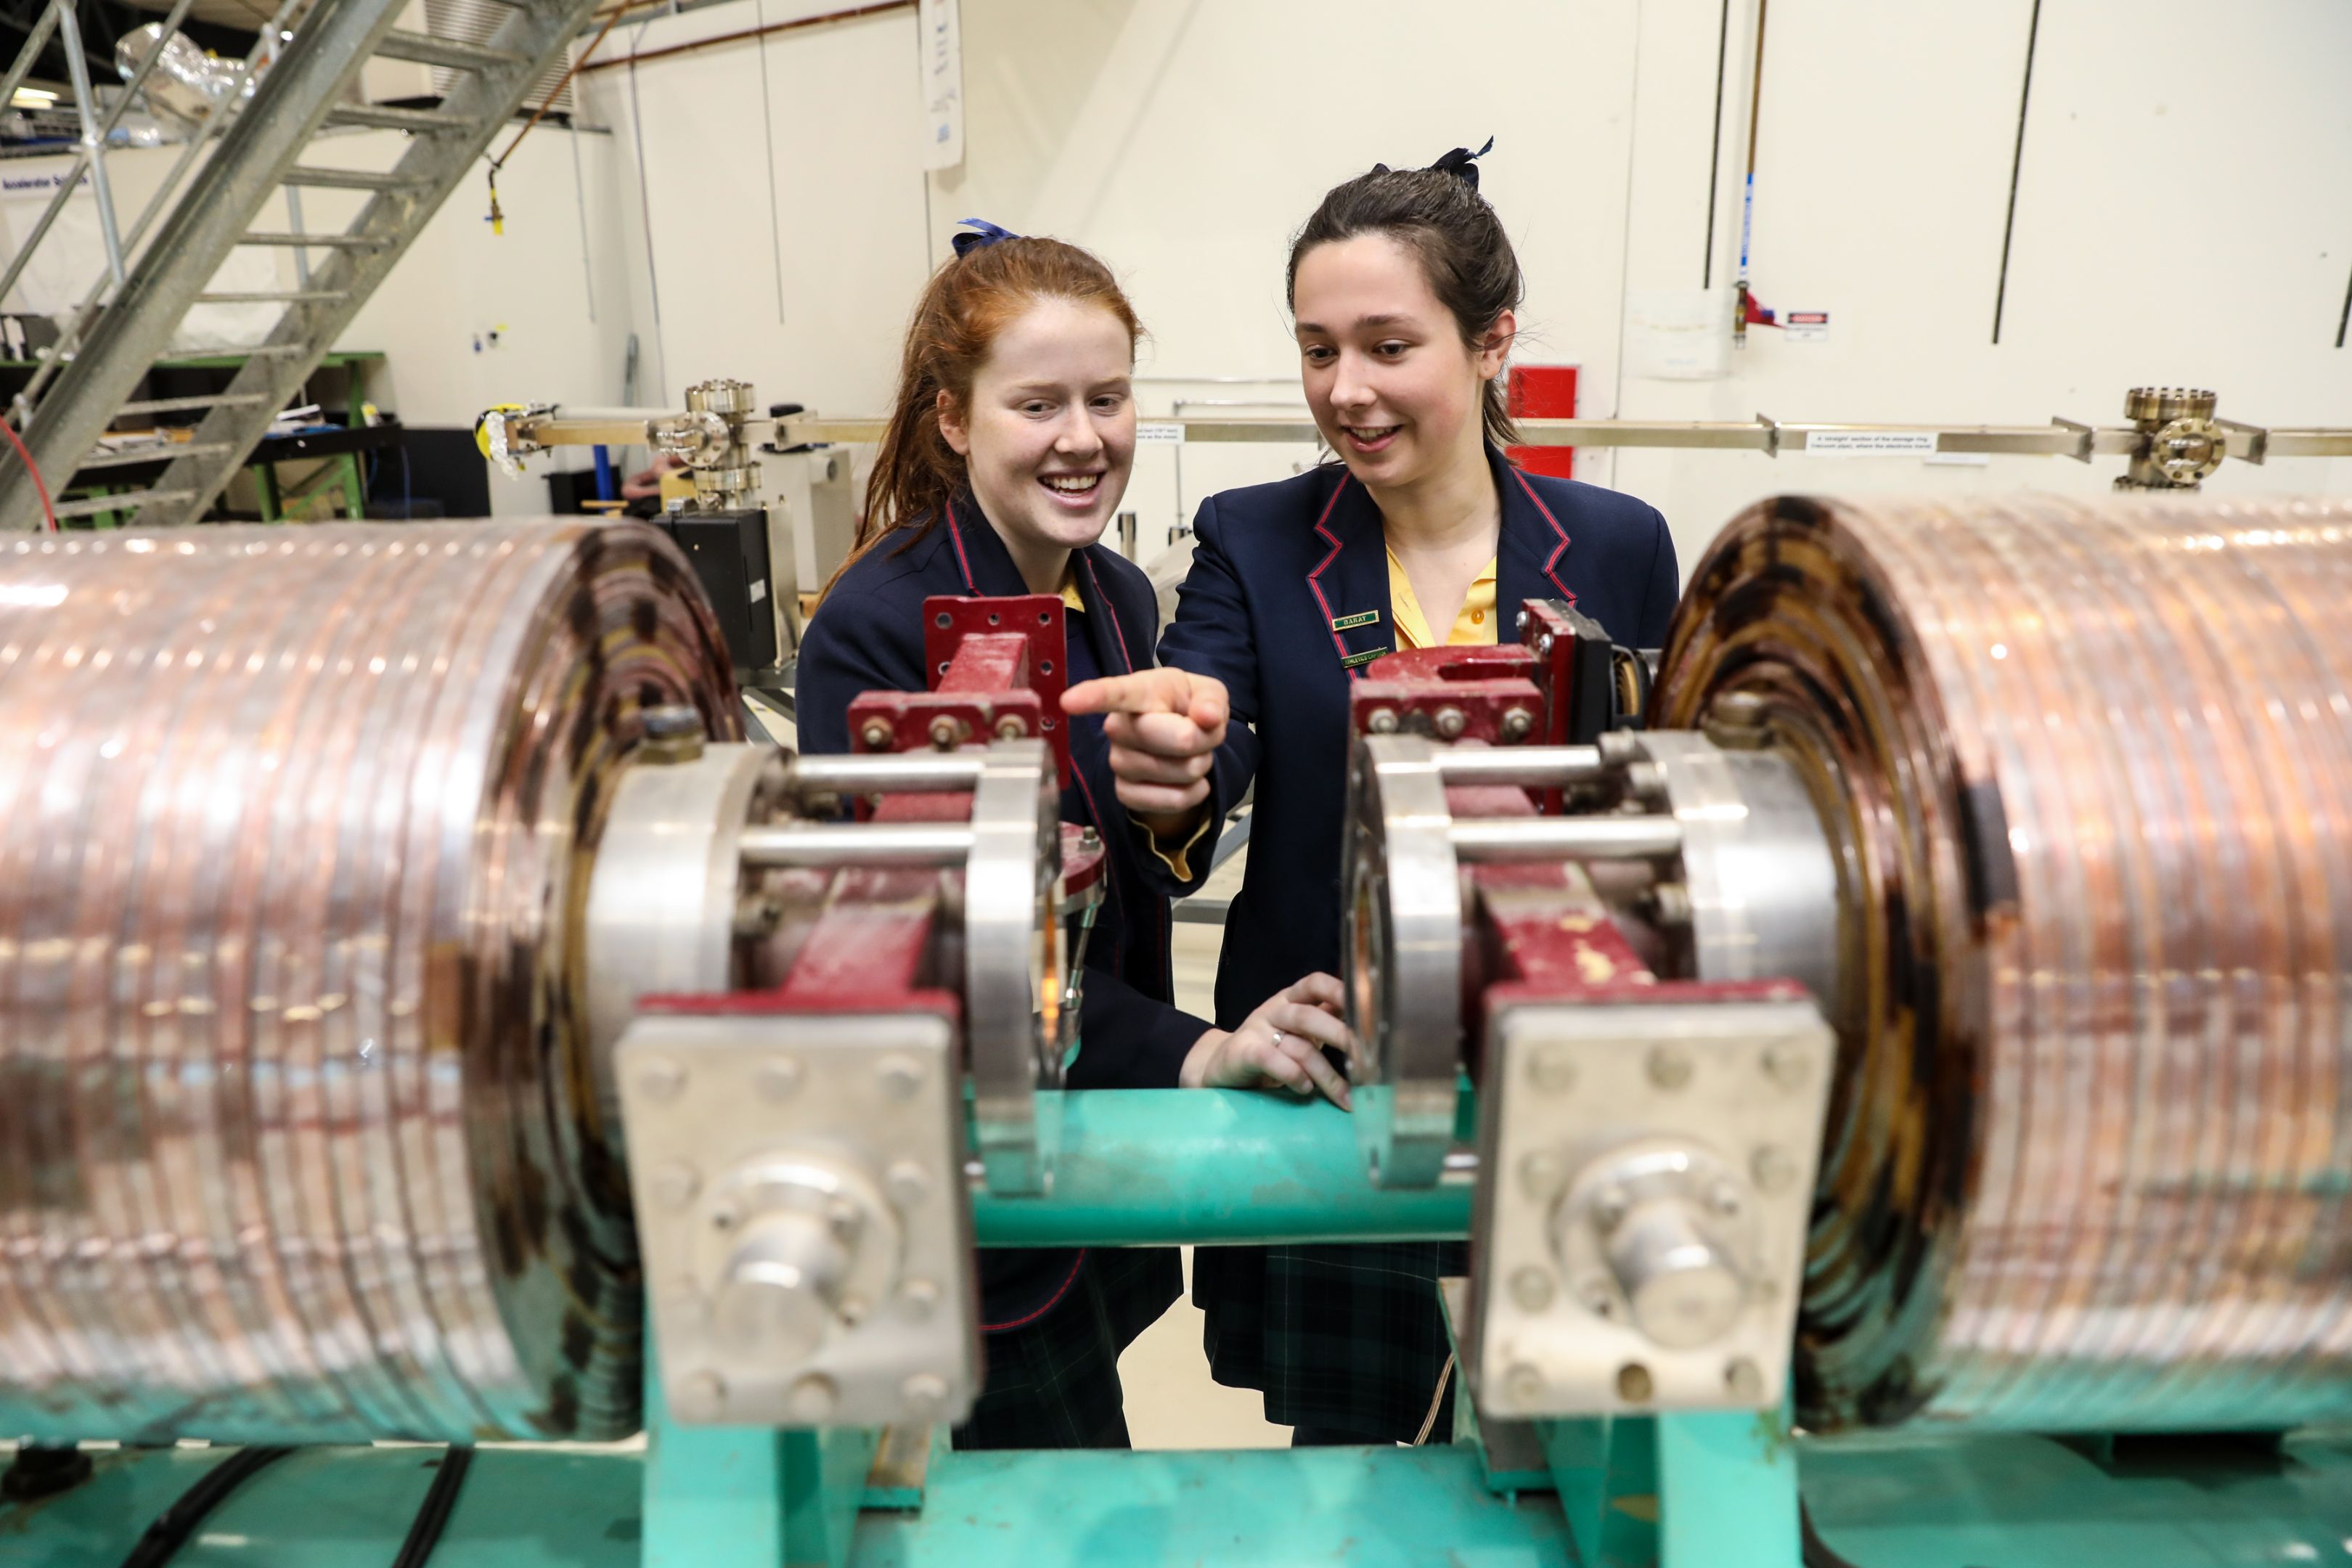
(1048, 433)
(1394, 388)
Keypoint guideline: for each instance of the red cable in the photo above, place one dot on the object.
(46, 509)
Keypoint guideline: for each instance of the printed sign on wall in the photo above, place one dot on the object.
(942, 60)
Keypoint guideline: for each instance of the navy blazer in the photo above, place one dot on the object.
(1279, 573)
(868, 636)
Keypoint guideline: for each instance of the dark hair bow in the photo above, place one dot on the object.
(987, 234)
(1459, 162)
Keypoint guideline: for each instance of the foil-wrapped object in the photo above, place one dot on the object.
(299, 1136)
(2090, 762)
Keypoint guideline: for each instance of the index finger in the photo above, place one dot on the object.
(1145, 691)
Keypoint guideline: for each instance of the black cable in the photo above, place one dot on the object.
(172, 1527)
(433, 1515)
(2016, 166)
(1715, 158)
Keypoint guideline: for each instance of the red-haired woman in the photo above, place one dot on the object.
(1404, 289)
(1009, 447)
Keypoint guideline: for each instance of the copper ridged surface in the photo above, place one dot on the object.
(2091, 1141)
(296, 1136)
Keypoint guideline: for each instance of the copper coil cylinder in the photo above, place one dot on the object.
(2088, 764)
(299, 1137)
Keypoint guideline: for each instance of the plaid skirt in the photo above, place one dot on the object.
(1053, 1383)
(1337, 1338)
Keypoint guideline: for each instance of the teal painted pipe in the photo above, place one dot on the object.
(1148, 1167)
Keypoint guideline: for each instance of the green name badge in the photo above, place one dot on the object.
(1353, 659)
(1347, 623)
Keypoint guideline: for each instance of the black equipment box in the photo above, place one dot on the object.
(730, 552)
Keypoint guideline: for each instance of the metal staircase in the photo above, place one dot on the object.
(127, 322)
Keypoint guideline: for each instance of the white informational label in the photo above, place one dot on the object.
(1678, 334)
(759, 589)
(1164, 432)
(1805, 326)
(1961, 459)
(1869, 443)
(942, 60)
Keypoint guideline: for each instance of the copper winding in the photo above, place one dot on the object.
(293, 831)
(2091, 762)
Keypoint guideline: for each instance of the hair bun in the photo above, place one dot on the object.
(984, 233)
(1460, 162)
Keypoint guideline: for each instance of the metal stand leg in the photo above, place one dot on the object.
(749, 1497)
(354, 487)
(1707, 1490)
(264, 480)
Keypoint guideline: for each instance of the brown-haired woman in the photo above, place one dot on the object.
(1009, 447)
(1405, 290)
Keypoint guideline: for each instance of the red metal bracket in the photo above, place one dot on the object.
(997, 670)
(1471, 693)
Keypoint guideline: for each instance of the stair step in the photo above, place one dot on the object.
(249, 350)
(183, 405)
(346, 179)
(91, 506)
(163, 452)
(318, 241)
(425, 48)
(384, 117)
(292, 297)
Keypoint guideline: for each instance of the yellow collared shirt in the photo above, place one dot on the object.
(1473, 624)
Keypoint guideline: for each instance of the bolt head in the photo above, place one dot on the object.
(1786, 1066)
(1531, 1287)
(1544, 646)
(1542, 1174)
(1010, 728)
(1743, 1381)
(1449, 723)
(844, 1214)
(853, 1309)
(1554, 1069)
(1598, 1299)
(1634, 1384)
(1520, 621)
(899, 1077)
(1609, 1206)
(674, 1183)
(1381, 722)
(660, 1079)
(811, 1399)
(1724, 1199)
(1772, 1169)
(946, 732)
(907, 1183)
(781, 1078)
(1669, 1067)
(926, 1394)
(1517, 724)
(699, 1396)
(920, 1298)
(876, 735)
(1526, 1384)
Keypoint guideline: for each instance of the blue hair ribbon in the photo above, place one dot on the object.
(985, 234)
(1459, 162)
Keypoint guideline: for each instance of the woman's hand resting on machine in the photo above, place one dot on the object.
(1281, 1043)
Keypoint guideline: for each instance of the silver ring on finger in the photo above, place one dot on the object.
(1277, 1038)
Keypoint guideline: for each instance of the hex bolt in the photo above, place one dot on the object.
(1089, 840)
(1669, 1067)
(700, 1395)
(673, 732)
(1609, 1207)
(1645, 780)
(946, 733)
(1634, 1384)
(1724, 1199)
(907, 1183)
(1526, 1384)
(1519, 622)
(1670, 904)
(1772, 1168)
(660, 1079)
(675, 1185)
(1738, 708)
(1554, 1069)
(1517, 724)
(811, 1400)
(1381, 722)
(1450, 722)
(899, 1077)
(1619, 747)
(921, 1299)
(1544, 646)
(780, 1077)
(926, 1394)
(1010, 728)
(1542, 1174)
(1743, 1381)
(1531, 1287)
(1785, 1066)
(876, 734)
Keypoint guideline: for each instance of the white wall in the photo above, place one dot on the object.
(2185, 215)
